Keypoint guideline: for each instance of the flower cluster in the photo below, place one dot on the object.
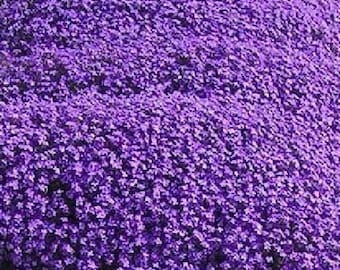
(276, 51)
(169, 182)
(144, 134)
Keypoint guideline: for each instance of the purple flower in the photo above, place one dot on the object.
(169, 135)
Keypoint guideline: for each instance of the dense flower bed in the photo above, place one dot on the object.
(170, 182)
(278, 51)
(169, 135)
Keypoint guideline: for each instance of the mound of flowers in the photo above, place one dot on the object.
(171, 182)
(173, 134)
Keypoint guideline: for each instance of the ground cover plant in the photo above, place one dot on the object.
(169, 134)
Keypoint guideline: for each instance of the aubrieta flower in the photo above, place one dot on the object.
(144, 134)
(187, 191)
